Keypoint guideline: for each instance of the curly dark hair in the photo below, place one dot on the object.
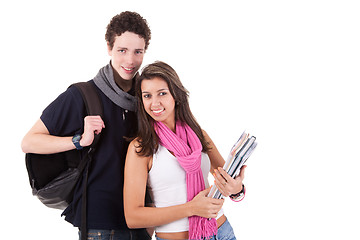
(127, 21)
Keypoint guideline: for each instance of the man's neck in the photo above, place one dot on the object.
(125, 85)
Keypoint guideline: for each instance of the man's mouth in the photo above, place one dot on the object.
(128, 69)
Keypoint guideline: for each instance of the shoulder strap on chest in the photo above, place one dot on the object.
(92, 102)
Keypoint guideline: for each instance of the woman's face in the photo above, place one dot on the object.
(158, 101)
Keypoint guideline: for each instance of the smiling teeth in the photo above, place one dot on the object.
(127, 69)
(158, 111)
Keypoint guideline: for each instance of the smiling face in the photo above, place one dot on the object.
(158, 101)
(127, 54)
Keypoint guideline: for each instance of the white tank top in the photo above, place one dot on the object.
(167, 185)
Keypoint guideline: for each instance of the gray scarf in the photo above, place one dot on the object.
(105, 81)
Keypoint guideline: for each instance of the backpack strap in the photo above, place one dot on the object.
(93, 106)
(92, 102)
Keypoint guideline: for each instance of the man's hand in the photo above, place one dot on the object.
(92, 125)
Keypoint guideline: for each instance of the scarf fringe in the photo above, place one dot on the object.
(200, 228)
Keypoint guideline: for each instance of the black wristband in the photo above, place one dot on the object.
(238, 196)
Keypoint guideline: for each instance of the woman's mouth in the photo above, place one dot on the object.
(158, 111)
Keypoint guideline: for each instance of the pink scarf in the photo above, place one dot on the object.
(187, 147)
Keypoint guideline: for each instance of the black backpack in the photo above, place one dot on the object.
(53, 176)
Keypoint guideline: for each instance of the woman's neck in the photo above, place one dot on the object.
(171, 125)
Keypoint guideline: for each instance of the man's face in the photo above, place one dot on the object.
(127, 54)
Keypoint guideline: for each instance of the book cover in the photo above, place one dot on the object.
(240, 152)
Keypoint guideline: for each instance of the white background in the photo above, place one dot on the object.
(286, 71)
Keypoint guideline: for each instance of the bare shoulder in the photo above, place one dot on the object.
(134, 157)
(134, 143)
(133, 149)
(207, 137)
(204, 133)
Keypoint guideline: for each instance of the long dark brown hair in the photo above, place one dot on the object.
(148, 139)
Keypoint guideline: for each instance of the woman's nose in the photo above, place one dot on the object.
(155, 101)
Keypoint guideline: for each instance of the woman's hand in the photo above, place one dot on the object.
(204, 206)
(226, 184)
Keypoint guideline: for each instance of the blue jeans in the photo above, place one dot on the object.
(225, 232)
(132, 234)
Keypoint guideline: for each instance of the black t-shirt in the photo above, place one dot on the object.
(65, 117)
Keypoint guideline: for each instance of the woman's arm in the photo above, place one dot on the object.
(139, 216)
(215, 157)
(225, 183)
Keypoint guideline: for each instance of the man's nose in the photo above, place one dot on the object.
(130, 58)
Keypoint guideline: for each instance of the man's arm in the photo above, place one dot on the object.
(38, 139)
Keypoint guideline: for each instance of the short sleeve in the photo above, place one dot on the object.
(65, 115)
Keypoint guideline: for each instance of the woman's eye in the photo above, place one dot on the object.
(162, 93)
(146, 96)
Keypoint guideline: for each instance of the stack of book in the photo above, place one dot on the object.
(239, 153)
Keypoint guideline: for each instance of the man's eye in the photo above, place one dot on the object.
(139, 52)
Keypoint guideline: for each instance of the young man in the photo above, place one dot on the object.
(63, 123)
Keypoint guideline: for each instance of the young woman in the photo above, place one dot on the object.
(171, 157)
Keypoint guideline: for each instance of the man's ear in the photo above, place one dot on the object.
(109, 49)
